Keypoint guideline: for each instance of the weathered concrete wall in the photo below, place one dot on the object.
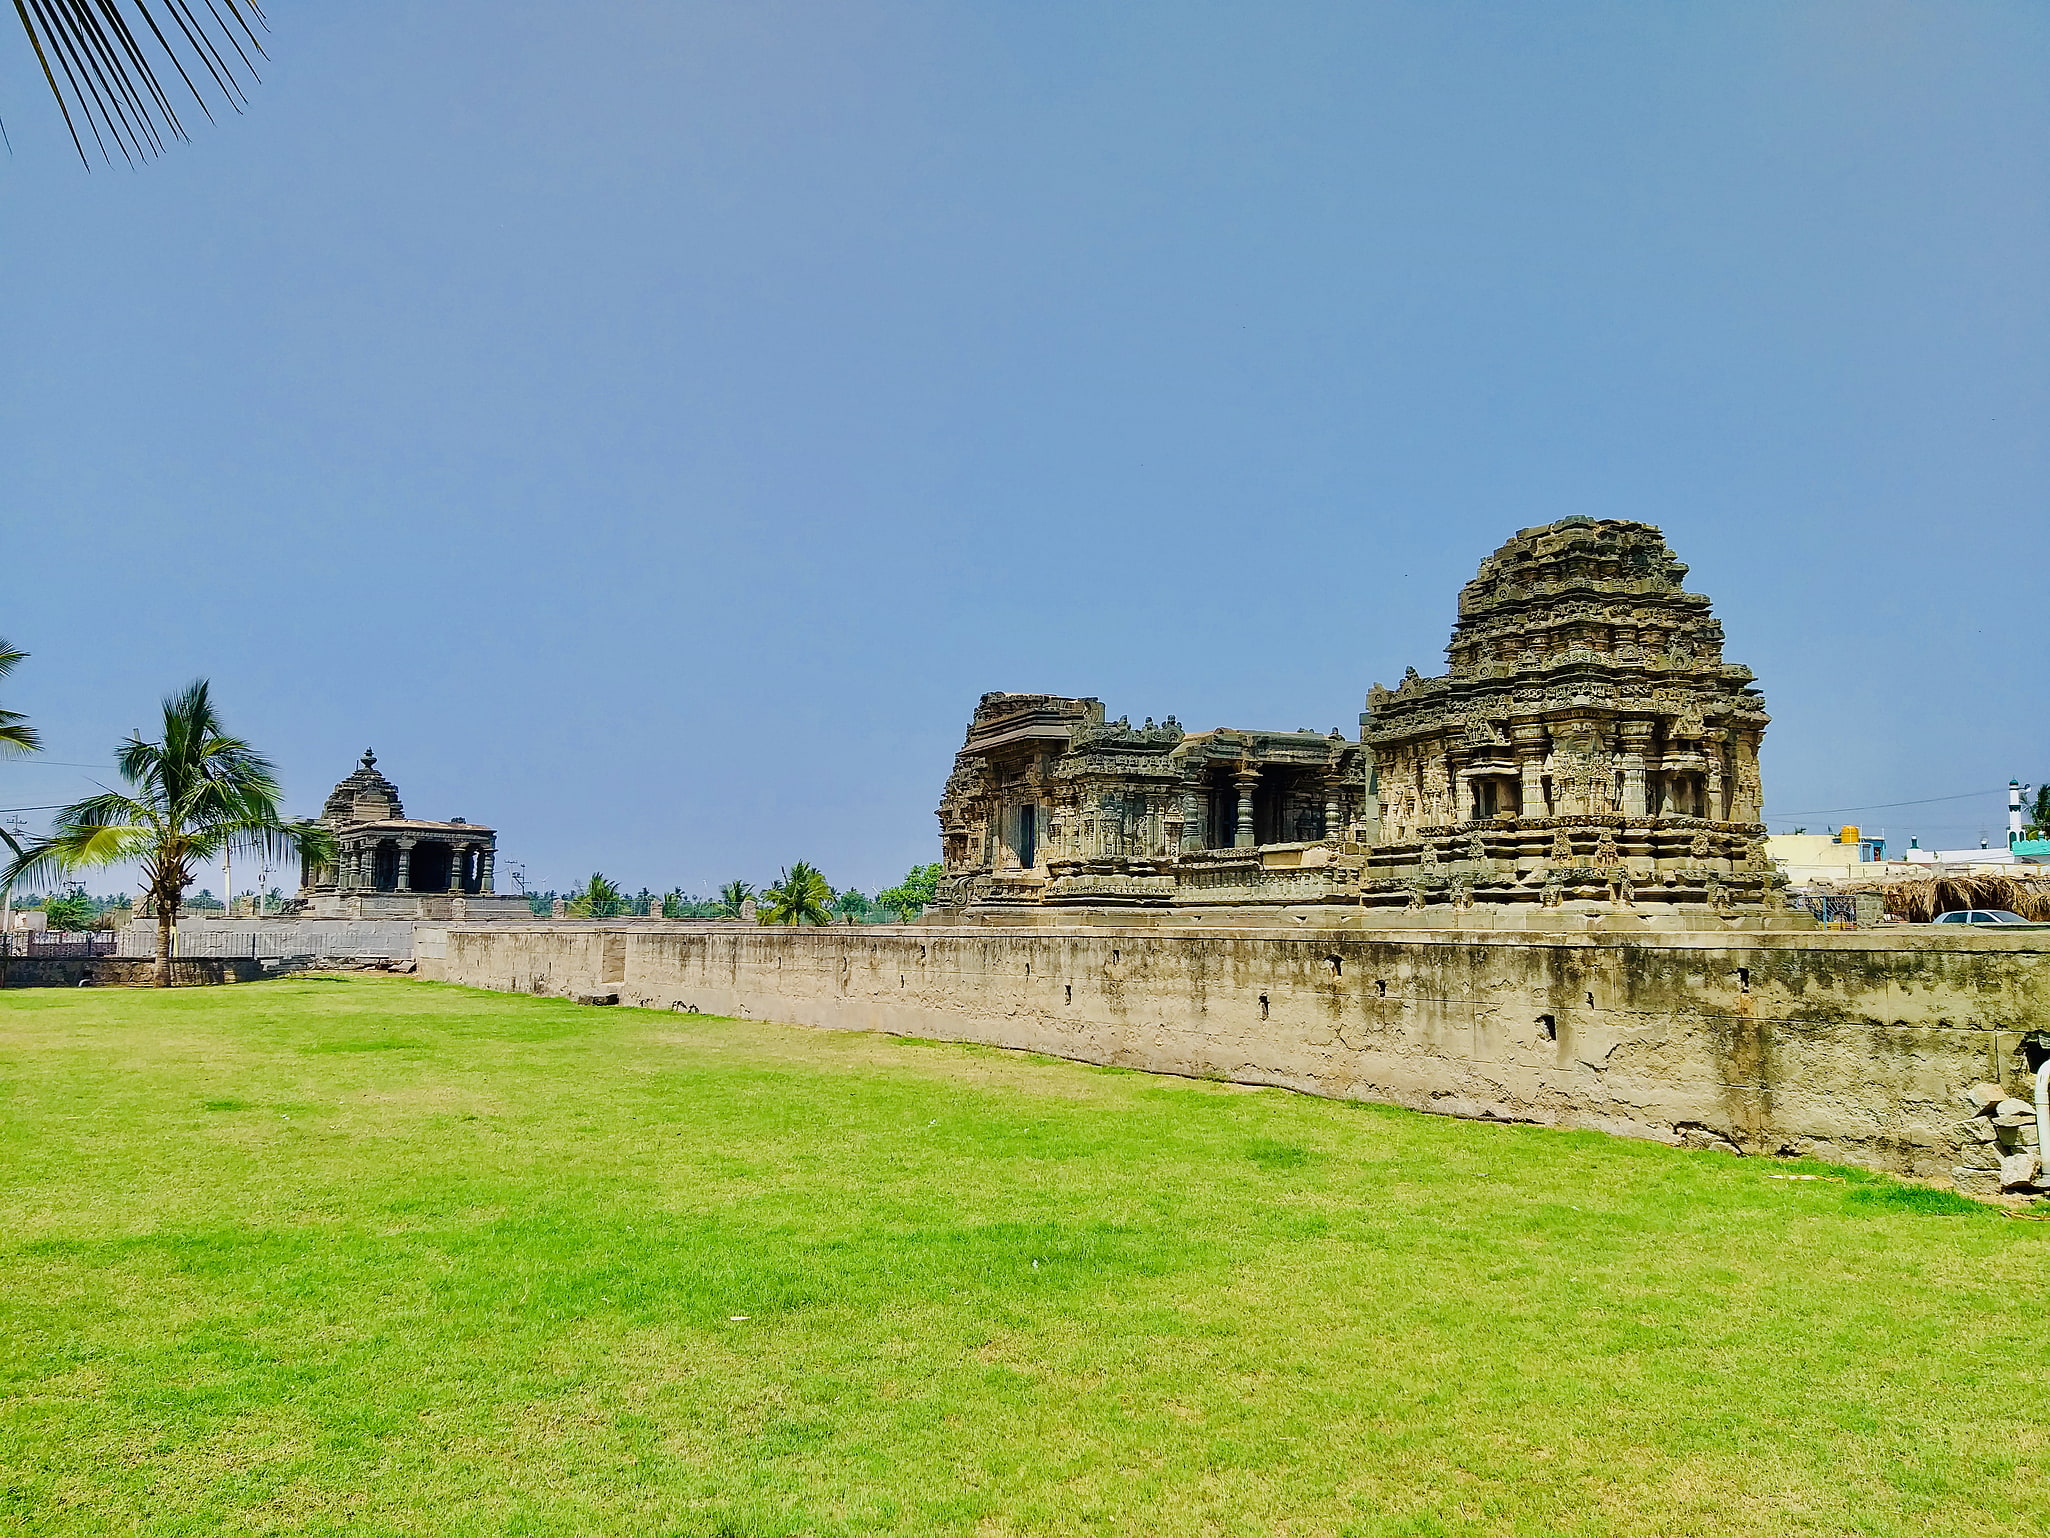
(1853, 1046)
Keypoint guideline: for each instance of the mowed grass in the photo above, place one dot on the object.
(379, 1256)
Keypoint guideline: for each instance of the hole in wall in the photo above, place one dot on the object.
(1336, 964)
(1743, 979)
(1069, 990)
(1028, 969)
(1590, 1001)
(921, 953)
(1263, 1006)
(1381, 987)
(1113, 954)
(1548, 1027)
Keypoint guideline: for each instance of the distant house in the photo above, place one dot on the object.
(1806, 857)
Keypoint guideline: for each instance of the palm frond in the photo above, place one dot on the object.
(265, 837)
(15, 734)
(92, 848)
(105, 62)
(109, 809)
(101, 830)
(38, 866)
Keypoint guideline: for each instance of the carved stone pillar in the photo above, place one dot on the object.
(484, 872)
(1745, 793)
(1714, 786)
(1633, 751)
(1193, 831)
(1246, 778)
(405, 865)
(1529, 740)
(1334, 806)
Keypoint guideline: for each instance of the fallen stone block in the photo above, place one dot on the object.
(594, 998)
(2015, 1108)
(1971, 1182)
(1982, 1096)
(2019, 1170)
(1977, 1130)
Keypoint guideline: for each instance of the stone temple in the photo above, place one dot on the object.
(388, 865)
(1586, 745)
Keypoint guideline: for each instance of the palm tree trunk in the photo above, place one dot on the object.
(167, 927)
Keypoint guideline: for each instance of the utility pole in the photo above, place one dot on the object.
(11, 836)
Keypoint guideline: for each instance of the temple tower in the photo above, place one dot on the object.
(1587, 739)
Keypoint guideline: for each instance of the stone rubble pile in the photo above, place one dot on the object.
(1999, 1140)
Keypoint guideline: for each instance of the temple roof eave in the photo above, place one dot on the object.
(412, 825)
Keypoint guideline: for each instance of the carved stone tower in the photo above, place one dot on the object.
(1586, 741)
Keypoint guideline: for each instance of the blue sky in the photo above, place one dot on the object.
(652, 426)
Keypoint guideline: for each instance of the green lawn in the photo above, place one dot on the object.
(372, 1255)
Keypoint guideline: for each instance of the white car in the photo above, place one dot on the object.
(1986, 916)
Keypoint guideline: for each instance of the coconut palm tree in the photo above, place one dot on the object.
(799, 896)
(101, 58)
(732, 895)
(192, 795)
(598, 899)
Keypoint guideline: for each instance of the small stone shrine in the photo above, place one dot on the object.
(388, 865)
(1587, 745)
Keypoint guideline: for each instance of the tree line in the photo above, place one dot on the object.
(800, 894)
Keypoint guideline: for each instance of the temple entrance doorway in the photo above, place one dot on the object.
(430, 868)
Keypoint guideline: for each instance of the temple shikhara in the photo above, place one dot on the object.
(388, 865)
(1587, 744)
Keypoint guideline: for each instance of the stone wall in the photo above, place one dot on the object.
(48, 971)
(125, 972)
(1852, 1046)
(121, 972)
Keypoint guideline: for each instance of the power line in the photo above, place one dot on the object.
(1887, 805)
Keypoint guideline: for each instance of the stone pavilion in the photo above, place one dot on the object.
(388, 865)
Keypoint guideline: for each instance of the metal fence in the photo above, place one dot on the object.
(1830, 911)
(367, 939)
(41, 945)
